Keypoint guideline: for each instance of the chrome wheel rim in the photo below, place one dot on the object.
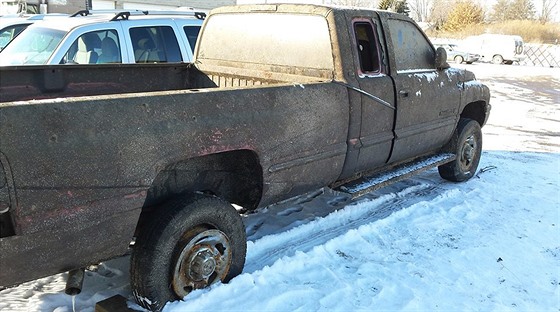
(468, 153)
(204, 260)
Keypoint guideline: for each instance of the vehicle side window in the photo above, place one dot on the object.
(192, 34)
(96, 47)
(9, 33)
(156, 44)
(367, 47)
(412, 50)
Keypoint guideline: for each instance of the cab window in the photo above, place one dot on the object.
(367, 47)
(412, 49)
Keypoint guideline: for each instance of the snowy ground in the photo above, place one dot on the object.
(492, 243)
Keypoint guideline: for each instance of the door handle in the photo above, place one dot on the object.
(403, 93)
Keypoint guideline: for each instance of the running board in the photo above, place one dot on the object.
(367, 184)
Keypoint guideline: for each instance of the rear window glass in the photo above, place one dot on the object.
(259, 37)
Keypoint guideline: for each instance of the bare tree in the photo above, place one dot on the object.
(420, 9)
(513, 10)
(547, 10)
(439, 12)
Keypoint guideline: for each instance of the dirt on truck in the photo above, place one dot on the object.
(279, 101)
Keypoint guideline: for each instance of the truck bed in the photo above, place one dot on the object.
(83, 80)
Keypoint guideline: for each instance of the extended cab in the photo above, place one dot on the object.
(280, 100)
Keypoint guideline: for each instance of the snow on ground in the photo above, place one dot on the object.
(492, 243)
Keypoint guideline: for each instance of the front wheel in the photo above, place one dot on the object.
(458, 59)
(192, 243)
(466, 143)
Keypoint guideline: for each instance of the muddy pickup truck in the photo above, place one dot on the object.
(159, 160)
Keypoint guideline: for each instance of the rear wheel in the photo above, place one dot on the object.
(466, 143)
(192, 243)
(497, 59)
(458, 59)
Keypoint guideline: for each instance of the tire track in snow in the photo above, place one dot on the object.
(266, 250)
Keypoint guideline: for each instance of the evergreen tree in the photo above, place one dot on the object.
(402, 7)
(399, 6)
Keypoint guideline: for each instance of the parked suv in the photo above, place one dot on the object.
(90, 37)
(456, 54)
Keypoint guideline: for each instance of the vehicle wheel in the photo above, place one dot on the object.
(466, 143)
(497, 59)
(192, 243)
(458, 59)
(469, 63)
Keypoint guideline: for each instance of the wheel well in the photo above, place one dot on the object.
(234, 176)
(475, 111)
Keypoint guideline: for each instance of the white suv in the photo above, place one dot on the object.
(101, 37)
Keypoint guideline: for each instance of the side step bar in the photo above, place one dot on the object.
(370, 183)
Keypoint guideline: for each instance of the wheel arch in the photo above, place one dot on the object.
(235, 176)
(475, 111)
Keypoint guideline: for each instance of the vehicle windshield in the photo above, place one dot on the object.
(32, 47)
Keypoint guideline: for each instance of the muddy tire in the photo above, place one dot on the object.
(190, 244)
(466, 143)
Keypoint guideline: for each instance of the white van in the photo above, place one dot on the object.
(498, 49)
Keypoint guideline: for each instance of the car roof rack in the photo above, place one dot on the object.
(124, 15)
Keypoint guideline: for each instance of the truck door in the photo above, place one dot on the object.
(427, 98)
(377, 96)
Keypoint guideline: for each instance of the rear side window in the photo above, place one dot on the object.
(157, 44)
(412, 50)
(367, 47)
(192, 34)
(96, 47)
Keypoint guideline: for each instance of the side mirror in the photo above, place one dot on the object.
(441, 59)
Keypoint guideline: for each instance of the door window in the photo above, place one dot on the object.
(157, 44)
(96, 47)
(412, 50)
